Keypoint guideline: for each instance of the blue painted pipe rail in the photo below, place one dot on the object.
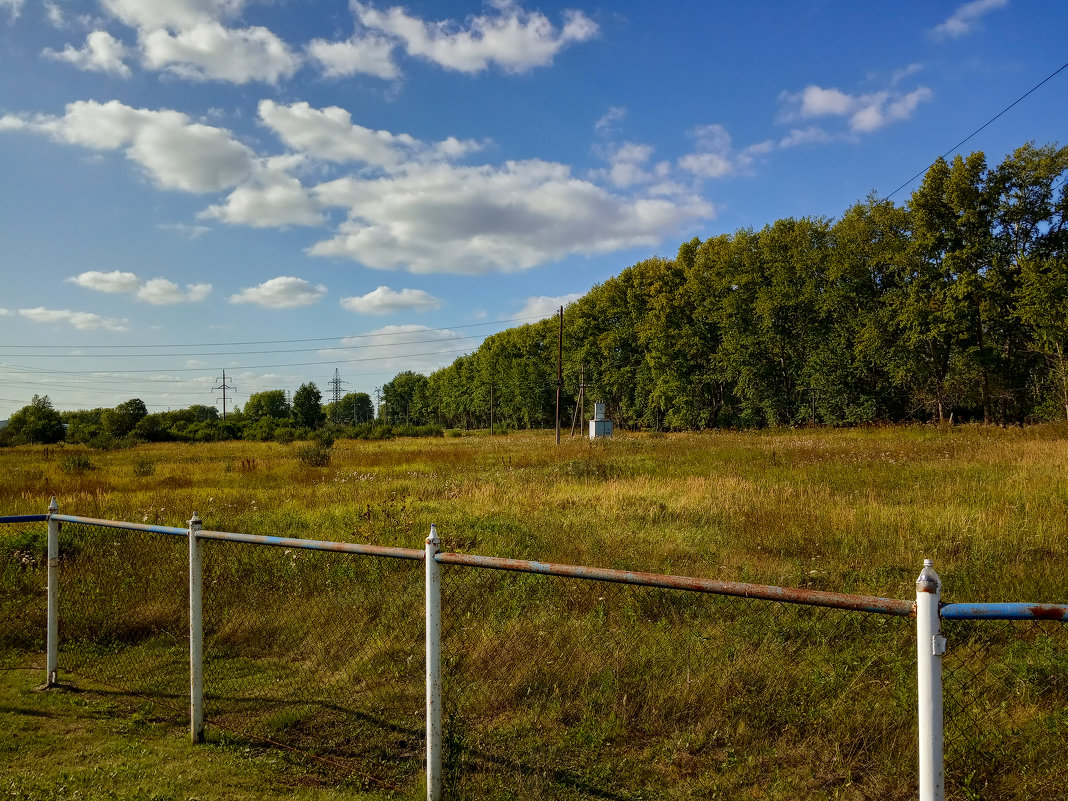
(92, 521)
(23, 518)
(1015, 611)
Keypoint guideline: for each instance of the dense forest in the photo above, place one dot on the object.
(952, 307)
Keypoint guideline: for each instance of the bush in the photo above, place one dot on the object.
(76, 464)
(284, 434)
(312, 454)
(144, 467)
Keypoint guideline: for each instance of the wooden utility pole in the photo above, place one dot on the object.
(559, 373)
(580, 404)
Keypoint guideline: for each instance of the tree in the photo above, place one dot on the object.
(271, 403)
(120, 421)
(405, 399)
(37, 423)
(354, 407)
(307, 406)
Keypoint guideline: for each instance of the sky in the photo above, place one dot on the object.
(288, 188)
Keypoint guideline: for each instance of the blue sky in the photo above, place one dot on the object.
(372, 187)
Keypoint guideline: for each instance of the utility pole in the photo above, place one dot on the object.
(491, 408)
(223, 386)
(378, 404)
(580, 404)
(559, 373)
(335, 386)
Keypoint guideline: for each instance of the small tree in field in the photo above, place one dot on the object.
(308, 407)
(37, 423)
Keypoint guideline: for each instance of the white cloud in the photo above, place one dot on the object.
(384, 300)
(14, 8)
(329, 134)
(3, 312)
(161, 292)
(475, 220)
(175, 151)
(811, 135)
(186, 230)
(403, 347)
(115, 281)
(542, 306)
(366, 55)
(865, 112)
(171, 13)
(157, 291)
(608, 121)
(210, 52)
(965, 19)
(102, 53)
(54, 14)
(283, 292)
(513, 39)
(271, 198)
(83, 321)
(626, 164)
(715, 155)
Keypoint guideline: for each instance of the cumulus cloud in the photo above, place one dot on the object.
(715, 155)
(512, 38)
(211, 52)
(283, 292)
(405, 204)
(14, 8)
(3, 311)
(811, 135)
(474, 220)
(330, 135)
(864, 112)
(102, 52)
(359, 55)
(542, 306)
(174, 151)
(404, 347)
(157, 291)
(83, 321)
(388, 301)
(271, 198)
(187, 38)
(965, 18)
(115, 281)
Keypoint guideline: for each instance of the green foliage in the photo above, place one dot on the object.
(37, 423)
(271, 404)
(307, 406)
(76, 464)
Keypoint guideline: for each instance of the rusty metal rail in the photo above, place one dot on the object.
(314, 545)
(1010, 611)
(835, 600)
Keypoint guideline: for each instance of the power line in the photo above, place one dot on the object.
(275, 341)
(981, 127)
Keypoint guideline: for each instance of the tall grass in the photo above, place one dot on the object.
(559, 688)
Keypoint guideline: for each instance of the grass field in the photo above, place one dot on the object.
(662, 696)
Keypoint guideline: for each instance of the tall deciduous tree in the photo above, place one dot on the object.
(35, 423)
(307, 406)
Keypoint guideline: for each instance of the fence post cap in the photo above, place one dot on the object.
(434, 539)
(194, 521)
(53, 507)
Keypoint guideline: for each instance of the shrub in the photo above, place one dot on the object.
(76, 464)
(144, 467)
(312, 454)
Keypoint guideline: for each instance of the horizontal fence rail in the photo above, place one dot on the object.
(332, 645)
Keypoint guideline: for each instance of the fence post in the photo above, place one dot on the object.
(52, 644)
(196, 634)
(930, 645)
(433, 667)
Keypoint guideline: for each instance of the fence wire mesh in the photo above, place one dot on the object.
(318, 652)
(23, 595)
(124, 612)
(564, 688)
(1005, 699)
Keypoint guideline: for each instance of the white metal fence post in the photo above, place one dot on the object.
(433, 667)
(196, 634)
(52, 644)
(930, 645)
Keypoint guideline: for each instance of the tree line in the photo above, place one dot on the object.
(953, 306)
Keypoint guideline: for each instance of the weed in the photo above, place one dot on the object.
(76, 464)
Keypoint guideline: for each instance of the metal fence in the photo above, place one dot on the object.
(383, 668)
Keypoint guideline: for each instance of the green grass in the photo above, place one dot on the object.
(564, 689)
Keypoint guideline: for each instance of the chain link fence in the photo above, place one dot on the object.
(567, 688)
(1005, 696)
(553, 687)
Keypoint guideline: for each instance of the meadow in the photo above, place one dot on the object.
(562, 689)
